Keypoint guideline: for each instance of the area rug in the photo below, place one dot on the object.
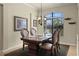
(63, 52)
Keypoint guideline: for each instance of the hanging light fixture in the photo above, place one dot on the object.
(40, 17)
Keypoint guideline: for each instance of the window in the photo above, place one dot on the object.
(52, 21)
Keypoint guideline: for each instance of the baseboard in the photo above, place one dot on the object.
(12, 49)
(65, 43)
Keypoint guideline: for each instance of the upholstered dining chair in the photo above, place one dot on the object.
(33, 32)
(25, 34)
(53, 46)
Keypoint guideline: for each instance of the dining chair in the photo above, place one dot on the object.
(53, 46)
(33, 32)
(25, 34)
(56, 41)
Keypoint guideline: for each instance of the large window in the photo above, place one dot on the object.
(52, 21)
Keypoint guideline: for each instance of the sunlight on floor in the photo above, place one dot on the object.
(72, 51)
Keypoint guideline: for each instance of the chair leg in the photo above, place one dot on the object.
(55, 51)
(58, 49)
(58, 46)
(23, 45)
(52, 51)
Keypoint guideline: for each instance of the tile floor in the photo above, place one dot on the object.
(72, 51)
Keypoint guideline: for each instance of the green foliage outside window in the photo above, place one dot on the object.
(57, 22)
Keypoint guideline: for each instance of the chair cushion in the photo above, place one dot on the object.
(46, 46)
(24, 33)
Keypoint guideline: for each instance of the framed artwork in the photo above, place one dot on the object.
(34, 23)
(20, 23)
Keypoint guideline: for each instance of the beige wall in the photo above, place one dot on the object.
(69, 30)
(78, 29)
(1, 26)
(12, 38)
(78, 21)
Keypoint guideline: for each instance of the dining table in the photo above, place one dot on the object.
(33, 46)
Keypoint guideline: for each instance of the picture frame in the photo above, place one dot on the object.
(34, 23)
(20, 23)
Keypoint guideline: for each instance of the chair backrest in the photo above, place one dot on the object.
(33, 32)
(24, 33)
(56, 37)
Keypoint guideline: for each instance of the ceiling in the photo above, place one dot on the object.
(48, 5)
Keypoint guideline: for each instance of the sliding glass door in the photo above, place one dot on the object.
(51, 22)
(48, 26)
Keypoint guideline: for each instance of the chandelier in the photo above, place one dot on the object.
(39, 18)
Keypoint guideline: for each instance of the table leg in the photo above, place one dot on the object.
(33, 49)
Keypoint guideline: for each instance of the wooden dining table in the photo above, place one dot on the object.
(33, 46)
